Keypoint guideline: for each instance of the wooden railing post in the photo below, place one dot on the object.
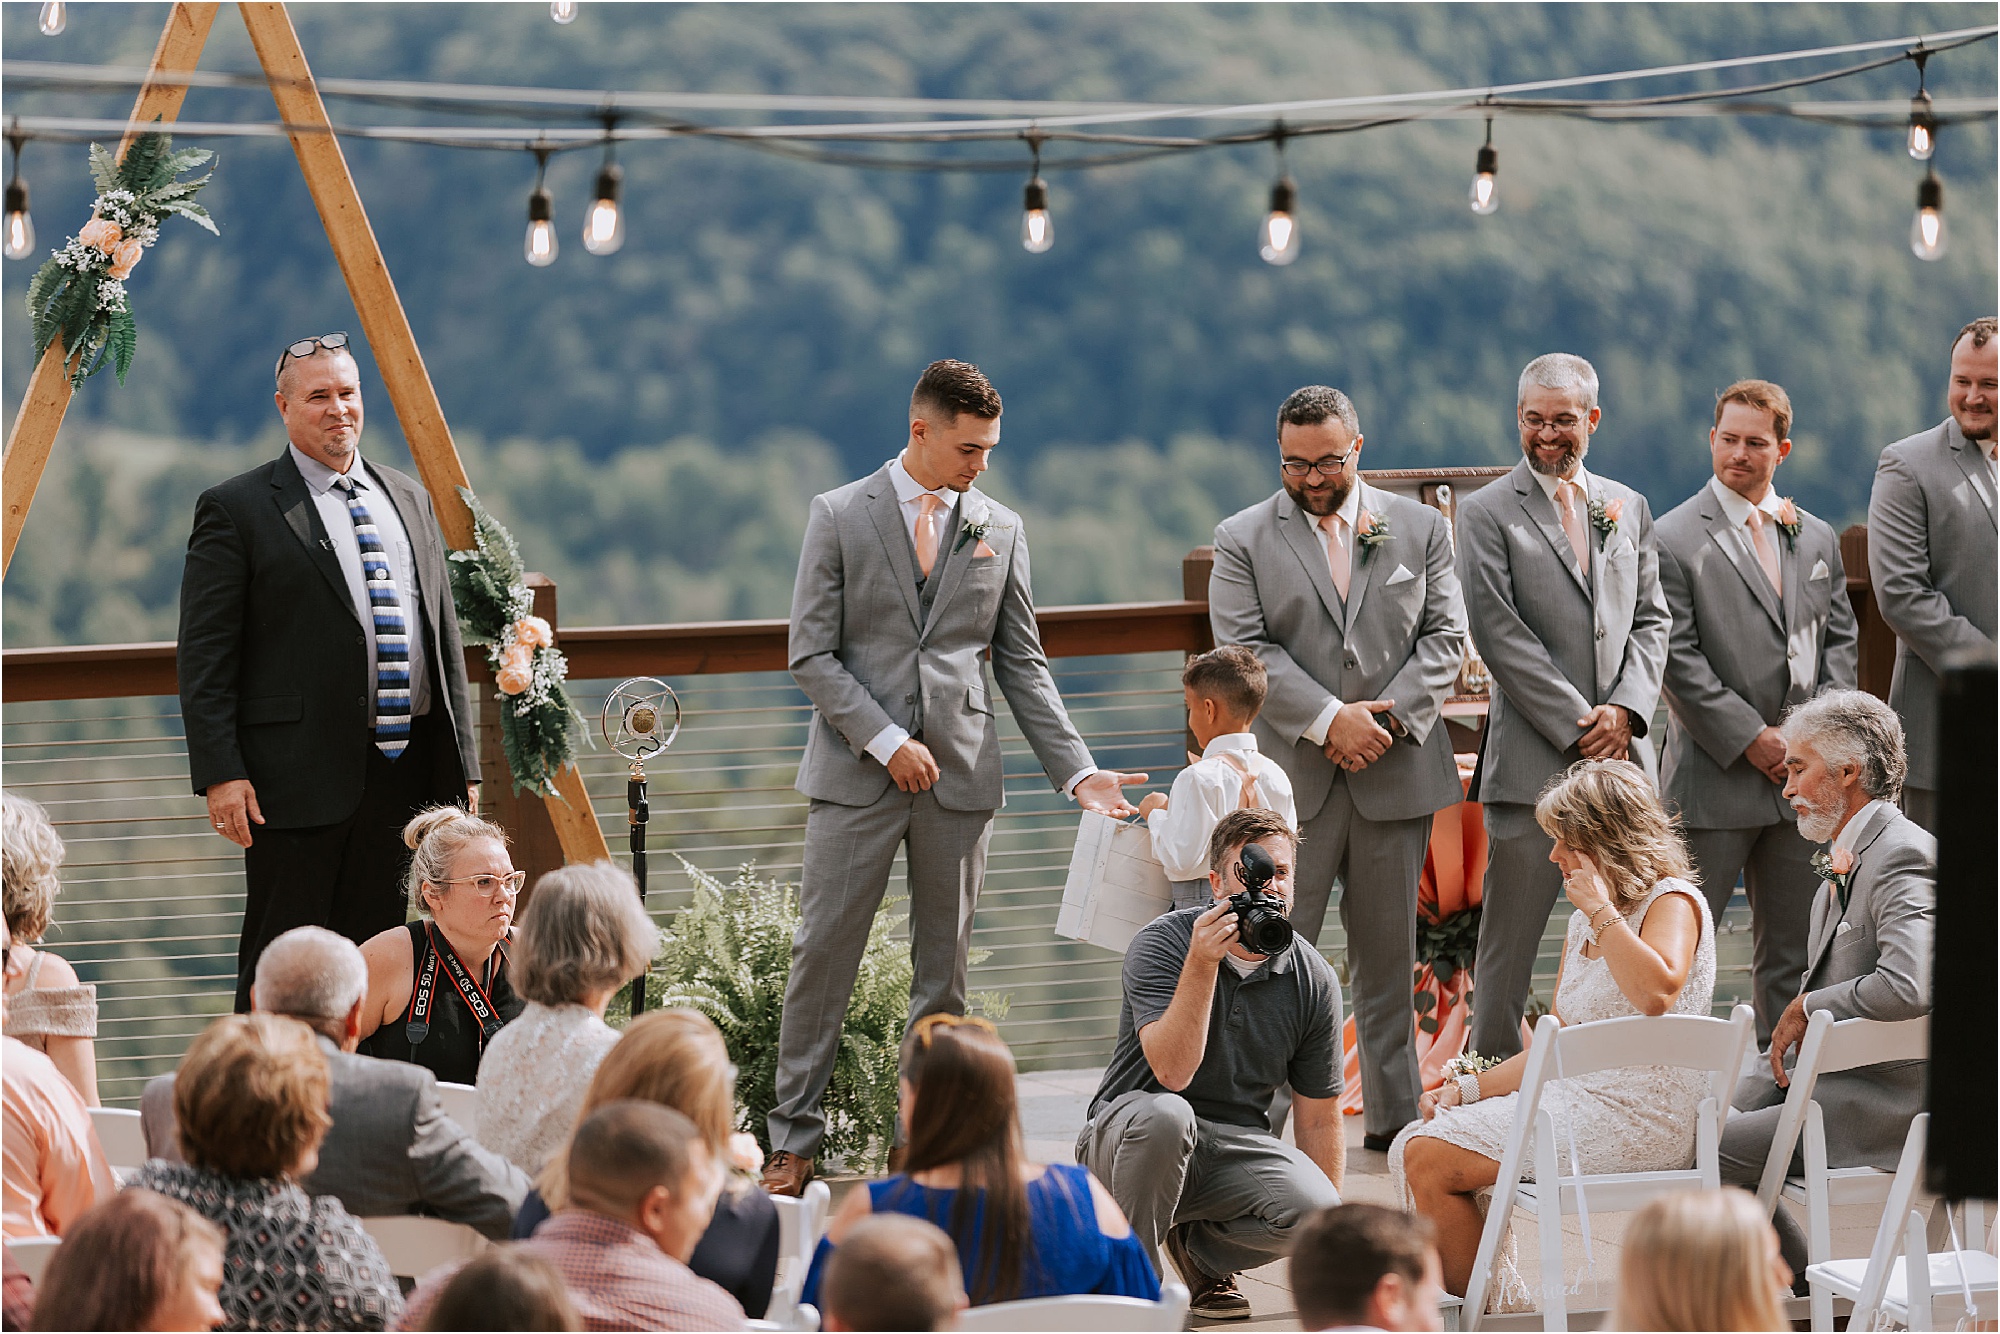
(1877, 657)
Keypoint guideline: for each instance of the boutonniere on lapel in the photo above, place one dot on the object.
(1789, 521)
(978, 525)
(1837, 870)
(1604, 517)
(1371, 532)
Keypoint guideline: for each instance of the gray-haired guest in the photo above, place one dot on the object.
(1869, 948)
(583, 936)
(391, 1148)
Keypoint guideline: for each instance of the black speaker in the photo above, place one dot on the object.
(1964, 1091)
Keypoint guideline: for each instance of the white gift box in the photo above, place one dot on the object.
(1116, 885)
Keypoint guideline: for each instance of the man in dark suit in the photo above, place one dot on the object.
(391, 1149)
(322, 679)
(1761, 623)
(1868, 950)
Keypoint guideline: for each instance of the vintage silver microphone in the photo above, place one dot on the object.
(635, 725)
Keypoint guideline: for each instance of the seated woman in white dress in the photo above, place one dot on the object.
(1639, 942)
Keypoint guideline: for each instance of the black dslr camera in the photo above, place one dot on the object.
(1261, 926)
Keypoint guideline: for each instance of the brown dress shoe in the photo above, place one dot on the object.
(786, 1173)
(1209, 1296)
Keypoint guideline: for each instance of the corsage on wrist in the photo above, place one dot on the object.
(1462, 1073)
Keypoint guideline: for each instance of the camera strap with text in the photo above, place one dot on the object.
(423, 995)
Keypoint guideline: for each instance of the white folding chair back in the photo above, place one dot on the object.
(1829, 1047)
(1690, 1042)
(124, 1142)
(461, 1104)
(1087, 1312)
(1902, 1279)
(801, 1223)
(414, 1246)
(805, 1322)
(33, 1254)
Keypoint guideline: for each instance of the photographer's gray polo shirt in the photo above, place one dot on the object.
(1281, 1024)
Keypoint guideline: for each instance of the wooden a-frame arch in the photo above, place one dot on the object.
(380, 310)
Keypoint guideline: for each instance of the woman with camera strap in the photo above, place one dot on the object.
(438, 990)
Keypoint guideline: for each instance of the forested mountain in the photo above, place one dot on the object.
(650, 422)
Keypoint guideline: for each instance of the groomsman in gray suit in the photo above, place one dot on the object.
(908, 580)
(1761, 623)
(1932, 550)
(1562, 588)
(1868, 951)
(1347, 595)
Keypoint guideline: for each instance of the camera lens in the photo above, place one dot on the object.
(1269, 934)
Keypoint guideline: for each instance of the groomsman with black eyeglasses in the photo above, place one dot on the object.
(322, 677)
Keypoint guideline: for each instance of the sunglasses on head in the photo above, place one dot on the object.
(305, 347)
(928, 1026)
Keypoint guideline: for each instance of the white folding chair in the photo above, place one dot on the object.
(119, 1132)
(33, 1254)
(461, 1104)
(1902, 1279)
(806, 1321)
(1689, 1042)
(1092, 1313)
(801, 1223)
(1830, 1047)
(414, 1246)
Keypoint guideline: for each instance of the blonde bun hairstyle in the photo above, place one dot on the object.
(434, 836)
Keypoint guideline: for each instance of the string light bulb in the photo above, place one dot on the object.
(1278, 239)
(1927, 231)
(55, 17)
(563, 11)
(1923, 121)
(540, 247)
(1486, 177)
(1038, 229)
(19, 226)
(604, 224)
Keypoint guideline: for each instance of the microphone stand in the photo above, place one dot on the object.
(637, 811)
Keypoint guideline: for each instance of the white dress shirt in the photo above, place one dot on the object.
(909, 500)
(339, 524)
(1350, 510)
(1855, 824)
(1206, 791)
(1738, 509)
(1549, 484)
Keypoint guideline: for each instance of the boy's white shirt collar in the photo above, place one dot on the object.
(1244, 742)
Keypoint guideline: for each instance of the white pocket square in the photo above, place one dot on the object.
(1819, 570)
(1401, 576)
(1844, 926)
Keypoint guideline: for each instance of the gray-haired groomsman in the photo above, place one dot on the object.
(908, 581)
(1932, 551)
(1761, 623)
(1562, 589)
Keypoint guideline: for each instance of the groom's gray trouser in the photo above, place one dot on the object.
(848, 855)
(1241, 1193)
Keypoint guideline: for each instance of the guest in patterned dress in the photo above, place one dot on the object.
(1639, 942)
(47, 1007)
(584, 935)
(250, 1101)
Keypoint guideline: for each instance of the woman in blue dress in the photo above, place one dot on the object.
(1023, 1229)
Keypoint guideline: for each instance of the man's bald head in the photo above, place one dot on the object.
(313, 975)
(893, 1272)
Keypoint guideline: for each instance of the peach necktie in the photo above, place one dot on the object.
(1339, 552)
(1767, 553)
(1569, 499)
(929, 508)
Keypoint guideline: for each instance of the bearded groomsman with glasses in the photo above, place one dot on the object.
(1562, 587)
(322, 677)
(1347, 594)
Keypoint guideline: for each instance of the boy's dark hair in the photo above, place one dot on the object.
(1232, 676)
(947, 388)
(1343, 1252)
(1235, 829)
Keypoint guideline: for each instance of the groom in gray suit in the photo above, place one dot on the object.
(1562, 589)
(1932, 550)
(1761, 623)
(1347, 595)
(1869, 947)
(908, 580)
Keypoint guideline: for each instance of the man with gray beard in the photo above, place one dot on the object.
(1868, 951)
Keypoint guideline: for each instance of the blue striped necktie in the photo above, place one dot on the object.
(392, 632)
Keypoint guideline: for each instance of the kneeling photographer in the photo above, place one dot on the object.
(1221, 1006)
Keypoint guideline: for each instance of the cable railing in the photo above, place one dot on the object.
(152, 899)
